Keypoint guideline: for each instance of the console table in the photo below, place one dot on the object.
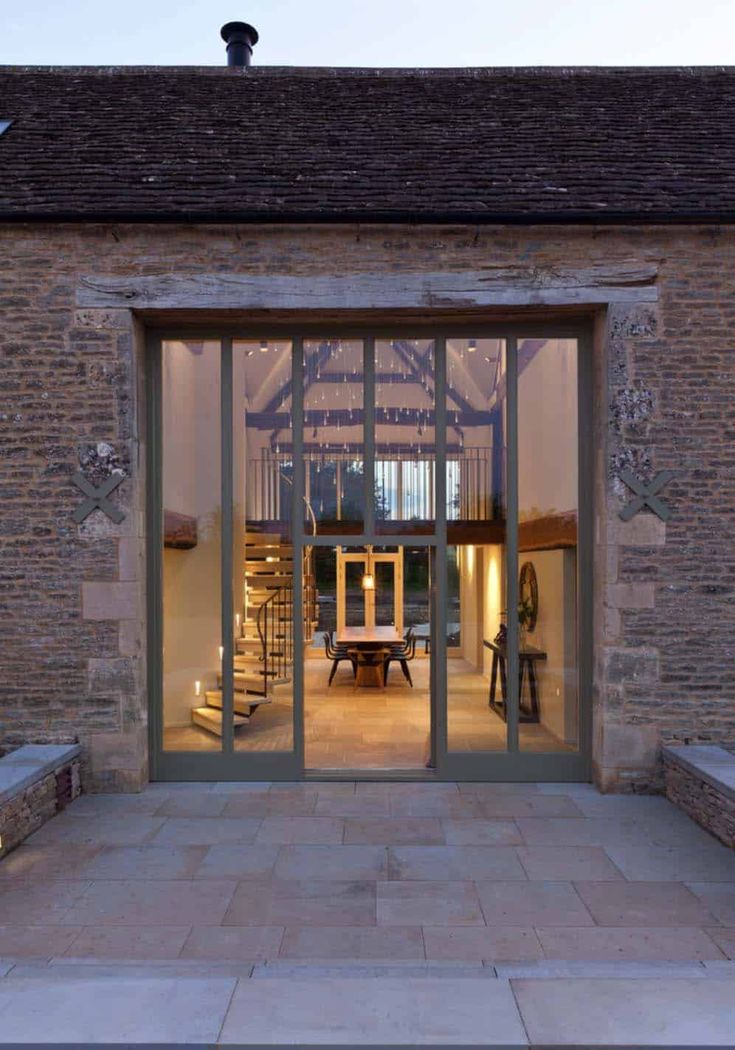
(527, 659)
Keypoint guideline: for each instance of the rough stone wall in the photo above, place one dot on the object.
(32, 807)
(711, 808)
(72, 597)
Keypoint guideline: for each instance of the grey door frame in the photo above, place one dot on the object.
(510, 765)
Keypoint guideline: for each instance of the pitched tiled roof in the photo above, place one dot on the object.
(473, 145)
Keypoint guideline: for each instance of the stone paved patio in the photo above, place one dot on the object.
(520, 896)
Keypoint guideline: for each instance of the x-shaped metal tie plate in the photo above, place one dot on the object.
(645, 495)
(97, 498)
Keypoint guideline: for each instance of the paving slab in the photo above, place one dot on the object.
(113, 1010)
(639, 1011)
(58, 861)
(532, 904)
(353, 805)
(193, 804)
(352, 942)
(145, 802)
(491, 943)
(36, 942)
(424, 903)
(146, 902)
(303, 902)
(594, 804)
(454, 862)
(516, 805)
(567, 863)
(643, 904)
(143, 862)
(553, 969)
(228, 943)
(104, 829)
(39, 903)
(237, 861)
(398, 1010)
(719, 897)
(599, 943)
(301, 830)
(448, 806)
(723, 938)
(395, 831)
(206, 831)
(715, 862)
(481, 832)
(351, 968)
(582, 831)
(332, 862)
(272, 804)
(127, 942)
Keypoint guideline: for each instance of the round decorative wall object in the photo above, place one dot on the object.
(528, 591)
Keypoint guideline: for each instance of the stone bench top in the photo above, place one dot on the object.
(24, 767)
(712, 764)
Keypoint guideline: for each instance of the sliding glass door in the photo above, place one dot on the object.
(369, 553)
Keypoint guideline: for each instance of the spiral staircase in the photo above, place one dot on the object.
(264, 645)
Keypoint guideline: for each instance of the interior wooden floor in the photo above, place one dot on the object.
(369, 728)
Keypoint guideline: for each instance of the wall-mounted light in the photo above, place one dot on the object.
(263, 346)
(197, 689)
(471, 346)
(221, 652)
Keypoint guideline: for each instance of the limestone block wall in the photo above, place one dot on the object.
(72, 597)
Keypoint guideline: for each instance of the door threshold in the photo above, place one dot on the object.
(370, 774)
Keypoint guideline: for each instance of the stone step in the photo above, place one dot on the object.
(210, 718)
(242, 703)
(268, 566)
(265, 550)
(263, 539)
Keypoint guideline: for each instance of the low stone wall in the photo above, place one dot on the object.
(701, 781)
(36, 782)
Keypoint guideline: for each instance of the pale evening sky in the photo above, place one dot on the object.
(378, 33)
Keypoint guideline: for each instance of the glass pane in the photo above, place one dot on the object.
(262, 561)
(405, 442)
(333, 435)
(366, 678)
(547, 542)
(476, 533)
(192, 611)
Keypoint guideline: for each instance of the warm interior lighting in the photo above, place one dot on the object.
(221, 652)
(368, 577)
(197, 689)
(263, 346)
(472, 346)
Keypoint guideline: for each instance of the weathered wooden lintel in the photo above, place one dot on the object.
(491, 286)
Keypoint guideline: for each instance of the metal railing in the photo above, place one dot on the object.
(405, 486)
(275, 626)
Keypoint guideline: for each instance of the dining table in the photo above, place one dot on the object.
(370, 646)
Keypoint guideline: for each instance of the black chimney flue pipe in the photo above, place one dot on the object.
(240, 39)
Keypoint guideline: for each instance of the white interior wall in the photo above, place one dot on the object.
(191, 486)
(547, 431)
(555, 634)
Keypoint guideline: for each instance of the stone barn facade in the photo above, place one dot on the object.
(424, 378)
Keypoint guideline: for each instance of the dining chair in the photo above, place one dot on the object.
(402, 654)
(336, 653)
